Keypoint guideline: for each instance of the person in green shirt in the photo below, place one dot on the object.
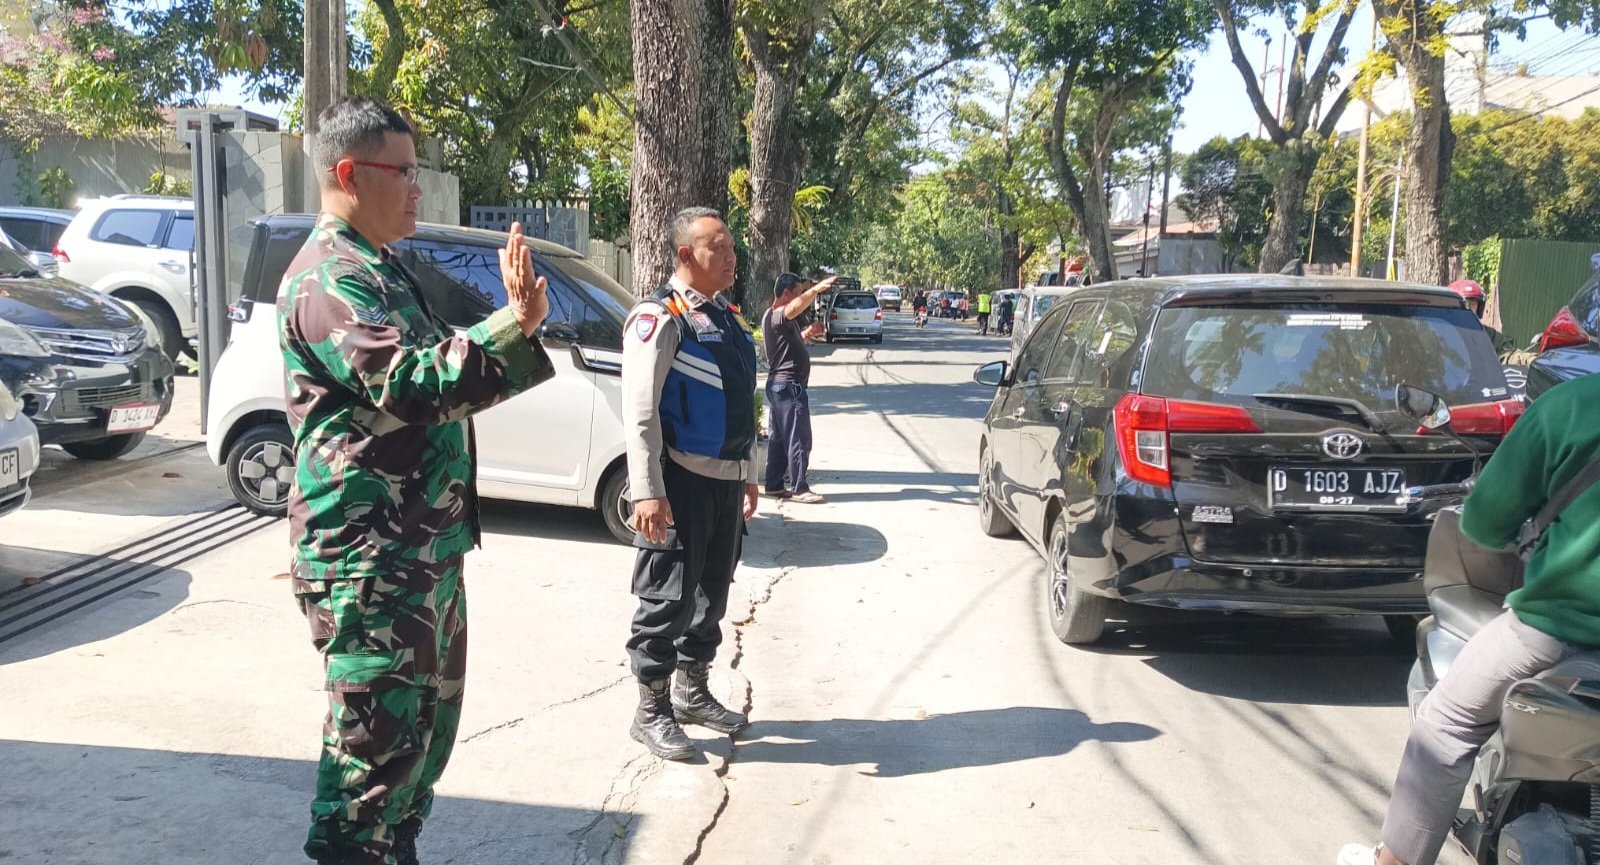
(1555, 613)
(983, 313)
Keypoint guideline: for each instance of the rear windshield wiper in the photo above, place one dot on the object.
(1338, 404)
(25, 273)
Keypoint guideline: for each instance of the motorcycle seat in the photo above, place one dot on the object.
(1464, 610)
(1584, 666)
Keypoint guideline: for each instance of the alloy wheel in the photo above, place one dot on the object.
(267, 471)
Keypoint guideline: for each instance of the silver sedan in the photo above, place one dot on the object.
(19, 453)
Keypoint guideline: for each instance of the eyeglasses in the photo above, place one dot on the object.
(409, 173)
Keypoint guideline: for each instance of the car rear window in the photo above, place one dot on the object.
(130, 227)
(1226, 354)
(856, 301)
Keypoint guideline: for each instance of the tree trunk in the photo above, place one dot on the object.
(1430, 146)
(775, 158)
(1297, 160)
(394, 50)
(1010, 238)
(1087, 203)
(683, 123)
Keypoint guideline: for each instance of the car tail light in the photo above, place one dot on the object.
(1142, 423)
(1562, 332)
(1484, 419)
(833, 316)
(878, 316)
(60, 254)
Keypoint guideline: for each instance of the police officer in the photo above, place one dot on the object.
(383, 506)
(689, 419)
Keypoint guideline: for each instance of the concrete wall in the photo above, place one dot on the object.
(98, 167)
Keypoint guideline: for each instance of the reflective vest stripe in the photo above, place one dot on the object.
(703, 364)
(697, 374)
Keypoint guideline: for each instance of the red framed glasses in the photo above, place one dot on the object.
(409, 173)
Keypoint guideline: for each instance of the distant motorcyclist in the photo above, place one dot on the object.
(1477, 300)
(1555, 613)
(919, 306)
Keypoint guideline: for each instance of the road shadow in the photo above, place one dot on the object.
(1323, 661)
(100, 599)
(959, 740)
(164, 478)
(947, 487)
(968, 400)
(776, 542)
(90, 805)
(545, 522)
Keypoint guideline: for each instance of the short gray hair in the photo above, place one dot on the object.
(352, 127)
(683, 225)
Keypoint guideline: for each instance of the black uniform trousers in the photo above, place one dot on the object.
(682, 585)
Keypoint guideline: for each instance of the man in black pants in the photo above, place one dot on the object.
(788, 373)
(689, 423)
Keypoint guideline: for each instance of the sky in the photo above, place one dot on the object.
(1217, 104)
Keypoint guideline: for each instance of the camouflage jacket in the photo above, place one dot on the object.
(378, 393)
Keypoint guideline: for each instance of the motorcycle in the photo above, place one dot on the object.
(1535, 786)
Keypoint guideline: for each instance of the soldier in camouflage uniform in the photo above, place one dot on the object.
(384, 504)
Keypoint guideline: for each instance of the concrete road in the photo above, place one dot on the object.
(910, 704)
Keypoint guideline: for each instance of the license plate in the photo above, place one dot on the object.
(133, 418)
(1335, 489)
(10, 468)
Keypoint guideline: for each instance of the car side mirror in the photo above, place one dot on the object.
(1425, 407)
(992, 374)
(560, 331)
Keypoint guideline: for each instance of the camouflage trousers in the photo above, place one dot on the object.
(395, 651)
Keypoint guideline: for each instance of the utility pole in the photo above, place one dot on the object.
(326, 59)
(1166, 187)
(1360, 215)
(1283, 63)
(1394, 218)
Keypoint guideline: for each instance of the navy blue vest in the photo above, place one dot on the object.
(708, 404)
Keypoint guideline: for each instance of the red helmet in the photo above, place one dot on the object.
(1470, 291)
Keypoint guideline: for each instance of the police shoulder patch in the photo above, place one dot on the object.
(644, 326)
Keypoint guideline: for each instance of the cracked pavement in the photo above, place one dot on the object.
(908, 702)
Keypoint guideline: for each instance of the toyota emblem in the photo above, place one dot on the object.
(1342, 445)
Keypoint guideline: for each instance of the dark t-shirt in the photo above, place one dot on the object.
(787, 358)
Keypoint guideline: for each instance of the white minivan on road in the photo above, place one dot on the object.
(559, 443)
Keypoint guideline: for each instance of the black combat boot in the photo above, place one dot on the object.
(692, 702)
(654, 727)
(405, 841)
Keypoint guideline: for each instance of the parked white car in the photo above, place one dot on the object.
(560, 443)
(19, 453)
(139, 249)
(854, 315)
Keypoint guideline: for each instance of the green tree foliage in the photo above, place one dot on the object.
(1105, 58)
(1226, 182)
(516, 105)
(171, 51)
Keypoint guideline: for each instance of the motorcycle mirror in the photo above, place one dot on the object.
(1425, 407)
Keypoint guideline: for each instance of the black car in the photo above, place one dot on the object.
(1570, 344)
(1232, 443)
(79, 362)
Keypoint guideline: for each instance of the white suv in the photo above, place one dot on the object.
(139, 249)
(559, 443)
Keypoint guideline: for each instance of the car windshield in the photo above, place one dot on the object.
(856, 301)
(1349, 351)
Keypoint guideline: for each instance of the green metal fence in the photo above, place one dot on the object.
(1537, 278)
